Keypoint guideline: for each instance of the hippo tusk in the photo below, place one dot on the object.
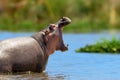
(67, 45)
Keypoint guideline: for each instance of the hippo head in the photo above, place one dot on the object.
(53, 36)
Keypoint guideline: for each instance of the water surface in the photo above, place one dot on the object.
(74, 66)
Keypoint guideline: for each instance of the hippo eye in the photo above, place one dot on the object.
(51, 29)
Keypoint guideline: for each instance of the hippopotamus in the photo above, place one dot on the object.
(31, 53)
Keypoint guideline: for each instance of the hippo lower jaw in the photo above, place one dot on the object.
(65, 48)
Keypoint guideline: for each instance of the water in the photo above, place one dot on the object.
(74, 66)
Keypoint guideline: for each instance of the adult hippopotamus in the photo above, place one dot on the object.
(32, 53)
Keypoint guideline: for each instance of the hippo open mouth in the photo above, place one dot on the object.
(61, 23)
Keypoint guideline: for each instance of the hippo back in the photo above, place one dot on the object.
(22, 54)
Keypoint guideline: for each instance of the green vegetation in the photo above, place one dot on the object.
(34, 15)
(106, 46)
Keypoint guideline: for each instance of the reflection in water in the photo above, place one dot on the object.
(31, 76)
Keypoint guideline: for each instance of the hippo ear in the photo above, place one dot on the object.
(46, 32)
(45, 36)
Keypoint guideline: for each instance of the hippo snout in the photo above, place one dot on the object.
(63, 22)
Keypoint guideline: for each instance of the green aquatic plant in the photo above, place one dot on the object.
(104, 46)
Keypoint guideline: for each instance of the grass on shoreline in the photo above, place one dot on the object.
(106, 46)
(76, 26)
(34, 15)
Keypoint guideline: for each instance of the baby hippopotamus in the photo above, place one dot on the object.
(32, 53)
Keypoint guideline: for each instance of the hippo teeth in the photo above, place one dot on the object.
(67, 45)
